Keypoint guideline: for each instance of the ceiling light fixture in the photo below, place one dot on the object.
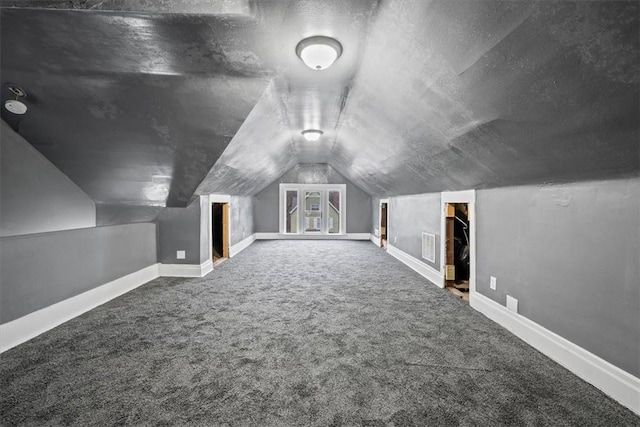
(312, 134)
(14, 105)
(319, 52)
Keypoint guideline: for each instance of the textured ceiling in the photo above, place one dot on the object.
(146, 102)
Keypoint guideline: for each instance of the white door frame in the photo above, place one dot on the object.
(380, 220)
(469, 197)
(218, 198)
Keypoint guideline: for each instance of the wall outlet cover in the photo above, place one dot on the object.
(181, 254)
(395, 240)
(376, 232)
(492, 283)
(512, 304)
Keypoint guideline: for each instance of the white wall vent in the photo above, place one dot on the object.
(429, 246)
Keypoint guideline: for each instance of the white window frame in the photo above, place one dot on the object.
(324, 190)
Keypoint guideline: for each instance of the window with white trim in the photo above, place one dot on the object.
(312, 208)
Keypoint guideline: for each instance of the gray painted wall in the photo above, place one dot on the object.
(180, 229)
(409, 216)
(358, 209)
(241, 218)
(569, 254)
(266, 210)
(35, 197)
(375, 216)
(205, 220)
(107, 214)
(42, 269)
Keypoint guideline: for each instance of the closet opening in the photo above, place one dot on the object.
(457, 249)
(384, 227)
(219, 232)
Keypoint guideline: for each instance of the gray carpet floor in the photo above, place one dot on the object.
(293, 333)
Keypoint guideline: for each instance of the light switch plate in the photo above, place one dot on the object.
(492, 283)
(181, 254)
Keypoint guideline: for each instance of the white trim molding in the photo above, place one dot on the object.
(278, 236)
(466, 196)
(619, 384)
(186, 270)
(431, 274)
(33, 324)
(375, 240)
(219, 198)
(242, 245)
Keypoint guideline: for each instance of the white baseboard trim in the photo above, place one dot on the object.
(375, 240)
(269, 236)
(33, 324)
(430, 273)
(240, 246)
(619, 384)
(278, 236)
(186, 270)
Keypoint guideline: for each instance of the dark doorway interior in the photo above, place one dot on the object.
(384, 216)
(218, 229)
(458, 246)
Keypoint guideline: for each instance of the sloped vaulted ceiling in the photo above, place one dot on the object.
(151, 102)
(477, 94)
(135, 107)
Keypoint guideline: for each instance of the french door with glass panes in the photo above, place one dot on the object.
(312, 209)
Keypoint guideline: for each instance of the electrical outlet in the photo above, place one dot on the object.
(492, 283)
(243, 234)
(395, 239)
(181, 254)
(512, 304)
(376, 232)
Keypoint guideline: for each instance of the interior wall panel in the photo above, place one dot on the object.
(42, 269)
(179, 229)
(241, 217)
(569, 255)
(409, 216)
(35, 196)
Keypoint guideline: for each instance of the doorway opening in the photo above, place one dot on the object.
(457, 249)
(384, 220)
(219, 232)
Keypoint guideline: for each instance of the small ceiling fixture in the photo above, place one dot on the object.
(312, 134)
(14, 105)
(319, 52)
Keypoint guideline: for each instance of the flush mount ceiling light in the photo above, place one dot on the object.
(14, 105)
(311, 134)
(319, 52)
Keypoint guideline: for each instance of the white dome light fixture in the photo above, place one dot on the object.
(16, 106)
(319, 52)
(312, 134)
